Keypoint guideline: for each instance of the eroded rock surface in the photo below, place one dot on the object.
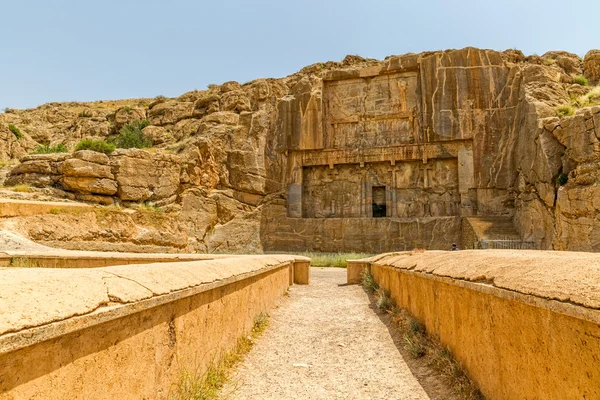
(310, 161)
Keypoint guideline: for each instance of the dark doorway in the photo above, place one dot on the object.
(379, 208)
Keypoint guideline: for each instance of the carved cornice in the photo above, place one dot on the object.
(411, 152)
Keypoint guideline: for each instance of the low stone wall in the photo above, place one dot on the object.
(95, 259)
(524, 324)
(128, 331)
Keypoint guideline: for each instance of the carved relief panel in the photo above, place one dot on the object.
(371, 112)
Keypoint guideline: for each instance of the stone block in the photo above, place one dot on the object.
(302, 272)
(354, 271)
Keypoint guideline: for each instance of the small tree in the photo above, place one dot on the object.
(131, 136)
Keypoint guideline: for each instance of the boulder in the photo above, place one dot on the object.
(222, 118)
(32, 179)
(591, 66)
(157, 134)
(581, 144)
(569, 62)
(236, 101)
(229, 86)
(170, 112)
(144, 176)
(91, 156)
(128, 114)
(79, 168)
(89, 185)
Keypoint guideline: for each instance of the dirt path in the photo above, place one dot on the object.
(324, 342)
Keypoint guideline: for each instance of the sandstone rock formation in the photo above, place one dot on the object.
(130, 175)
(362, 155)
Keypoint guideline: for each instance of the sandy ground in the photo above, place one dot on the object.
(324, 342)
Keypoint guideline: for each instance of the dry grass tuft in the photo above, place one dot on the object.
(384, 302)
(419, 344)
(22, 189)
(206, 386)
(565, 111)
(368, 282)
(590, 99)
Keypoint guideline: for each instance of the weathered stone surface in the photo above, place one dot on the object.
(143, 176)
(142, 335)
(235, 100)
(128, 114)
(32, 179)
(222, 118)
(170, 112)
(488, 295)
(91, 156)
(157, 134)
(75, 167)
(83, 184)
(591, 66)
(422, 139)
(35, 167)
(37, 170)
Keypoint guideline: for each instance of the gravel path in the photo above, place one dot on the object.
(324, 342)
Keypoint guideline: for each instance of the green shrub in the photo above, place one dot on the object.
(24, 188)
(131, 136)
(16, 131)
(580, 80)
(565, 111)
(98, 145)
(47, 149)
(85, 114)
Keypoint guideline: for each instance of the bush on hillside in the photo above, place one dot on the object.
(16, 131)
(131, 136)
(47, 149)
(580, 80)
(98, 145)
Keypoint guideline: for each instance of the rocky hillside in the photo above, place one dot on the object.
(219, 157)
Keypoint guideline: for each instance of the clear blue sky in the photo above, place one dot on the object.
(67, 50)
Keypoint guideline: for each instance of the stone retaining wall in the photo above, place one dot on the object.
(128, 332)
(524, 324)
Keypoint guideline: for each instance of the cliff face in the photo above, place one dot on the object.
(312, 160)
